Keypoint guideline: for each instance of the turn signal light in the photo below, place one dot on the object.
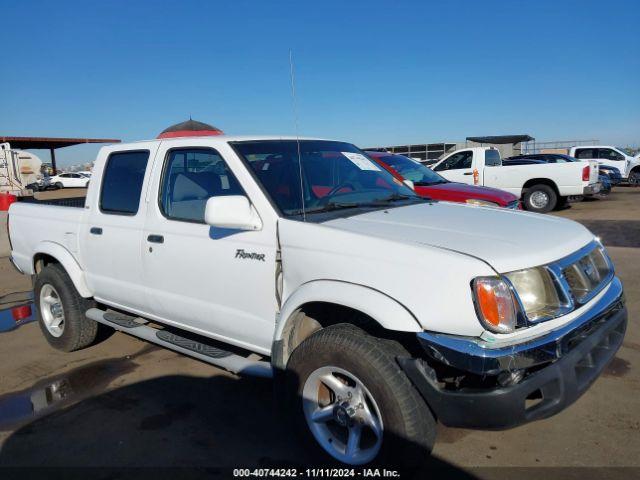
(495, 304)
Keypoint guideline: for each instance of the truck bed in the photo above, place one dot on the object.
(35, 222)
(75, 202)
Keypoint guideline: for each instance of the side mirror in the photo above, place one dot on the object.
(233, 212)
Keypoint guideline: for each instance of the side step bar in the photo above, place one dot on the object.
(202, 351)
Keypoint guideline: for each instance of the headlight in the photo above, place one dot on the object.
(495, 304)
(481, 203)
(539, 296)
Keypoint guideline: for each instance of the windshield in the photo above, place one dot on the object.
(335, 175)
(412, 170)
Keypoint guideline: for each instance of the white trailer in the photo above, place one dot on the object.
(18, 169)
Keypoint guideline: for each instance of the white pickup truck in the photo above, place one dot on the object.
(376, 311)
(541, 187)
(612, 156)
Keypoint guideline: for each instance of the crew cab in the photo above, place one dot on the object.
(427, 183)
(377, 312)
(542, 187)
(628, 165)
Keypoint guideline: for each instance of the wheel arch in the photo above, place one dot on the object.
(540, 181)
(320, 303)
(50, 252)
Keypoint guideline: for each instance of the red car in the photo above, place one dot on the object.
(428, 183)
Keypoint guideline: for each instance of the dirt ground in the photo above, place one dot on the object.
(126, 403)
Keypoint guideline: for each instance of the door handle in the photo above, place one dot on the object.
(155, 239)
(468, 173)
(96, 231)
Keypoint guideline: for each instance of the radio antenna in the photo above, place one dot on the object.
(295, 119)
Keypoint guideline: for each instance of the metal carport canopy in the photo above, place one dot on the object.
(501, 139)
(51, 143)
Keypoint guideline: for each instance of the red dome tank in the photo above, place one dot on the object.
(190, 128)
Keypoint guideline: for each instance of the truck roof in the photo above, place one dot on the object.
(217, 139)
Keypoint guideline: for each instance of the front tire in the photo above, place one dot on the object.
(61, 310)
(352, 402)
(540, 198)
(59, 185)
(634, 178)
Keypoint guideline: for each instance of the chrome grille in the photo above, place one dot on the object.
(586, 277)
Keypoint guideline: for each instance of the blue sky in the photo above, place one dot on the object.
(369, 72)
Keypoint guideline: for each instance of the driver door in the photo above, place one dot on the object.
(457, 167)
(213, 281)
(612, 158)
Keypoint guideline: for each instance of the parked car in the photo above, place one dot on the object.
(69, 180)
(376, 311)
(628, 165)
(428, 183)
(612, 173)
(542, 187)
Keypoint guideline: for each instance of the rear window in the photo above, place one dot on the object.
(122, 182)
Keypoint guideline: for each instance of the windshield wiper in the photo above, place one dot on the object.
(332, 206)
(428, 184)
(396, 197)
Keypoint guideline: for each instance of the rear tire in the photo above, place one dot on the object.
(540, 198)
(356, 383)
(61, 310)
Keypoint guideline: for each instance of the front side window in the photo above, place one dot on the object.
(122, 182)
(191, 176)
(457, 161)
(316, 176)
(609, 154)
(420, 175)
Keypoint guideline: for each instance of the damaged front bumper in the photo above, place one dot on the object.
(556, 368)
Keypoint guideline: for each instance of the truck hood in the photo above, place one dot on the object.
(507, 240)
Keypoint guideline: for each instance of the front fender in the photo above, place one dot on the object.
(67, 260)
(389, 313)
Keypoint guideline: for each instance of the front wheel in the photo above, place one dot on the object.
(634, 178)
(540, 198)
(350, 398)
(59, 185)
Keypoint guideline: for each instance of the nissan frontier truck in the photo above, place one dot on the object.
(378, 313)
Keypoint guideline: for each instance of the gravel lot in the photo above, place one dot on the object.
(126, 403)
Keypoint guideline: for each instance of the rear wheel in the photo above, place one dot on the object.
(350, 398)
(540, 198)
(61, 310)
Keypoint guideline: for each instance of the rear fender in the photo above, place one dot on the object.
(67, 260)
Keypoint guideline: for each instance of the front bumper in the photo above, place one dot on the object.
(559, 367)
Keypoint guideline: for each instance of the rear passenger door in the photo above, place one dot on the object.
(112, 237)
(202, 278)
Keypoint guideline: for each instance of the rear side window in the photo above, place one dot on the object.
(191, 176)
(585, 153)
(492, 158)
(122, 182)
